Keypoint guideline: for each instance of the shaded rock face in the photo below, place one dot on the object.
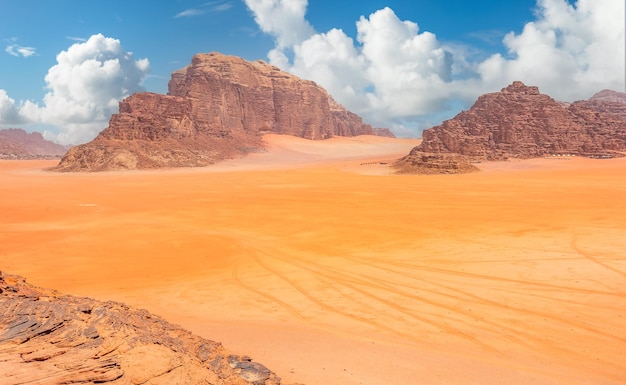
(216, 108)
(16, 143)
(520, 122)
(49, 338)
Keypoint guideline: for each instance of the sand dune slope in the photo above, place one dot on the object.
(316, 262)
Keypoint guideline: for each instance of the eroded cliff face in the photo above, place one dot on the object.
(228, 93)
(47, 338)
(216, 108)
(520, 122)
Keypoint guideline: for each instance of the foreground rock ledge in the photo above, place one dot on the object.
(47, 338)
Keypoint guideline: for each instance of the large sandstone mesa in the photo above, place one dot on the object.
(16, 143)
(520, 122)
(216, 108)
(47, 339)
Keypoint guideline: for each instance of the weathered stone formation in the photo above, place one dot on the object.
(16, 143)
(47, 338)
(609, 96)
(425, 163)
(216, 108)
(520, 122)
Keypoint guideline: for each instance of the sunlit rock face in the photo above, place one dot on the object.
(520, 122)
(216, 108)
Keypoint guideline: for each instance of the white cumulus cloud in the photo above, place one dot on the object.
(283, 19)
(570, 51)
(83, 90)
(397, 76)
(9, 111)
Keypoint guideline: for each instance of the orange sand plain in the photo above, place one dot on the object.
(313, 260)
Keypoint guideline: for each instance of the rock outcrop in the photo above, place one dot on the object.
(520, 122)
(16, 143)
(47, 338)
(216, 108)
(609, 96)
(419, 162)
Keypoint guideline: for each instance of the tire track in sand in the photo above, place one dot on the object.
(536, 313)
(349, 281)
(589, 257)
(392, 287)
(271, 298)
(327, 307)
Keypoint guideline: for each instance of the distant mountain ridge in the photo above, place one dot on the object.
(609, 96)
(216, 108)
(15, 143)
(520, 122)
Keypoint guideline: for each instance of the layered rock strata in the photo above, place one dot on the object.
(47, 338)
(520, 122)
(419, 162)
(216, 108)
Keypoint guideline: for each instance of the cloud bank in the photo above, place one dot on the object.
(83, 90)
(397, 76)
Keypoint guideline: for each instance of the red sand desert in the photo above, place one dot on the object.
(315, 261)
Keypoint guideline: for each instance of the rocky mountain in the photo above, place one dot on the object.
(520, 122)
(609, 96)
(16, 143)
(385, 132)
(216, 108)
(47, 338)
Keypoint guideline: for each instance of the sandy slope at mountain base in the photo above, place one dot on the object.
(329, 274)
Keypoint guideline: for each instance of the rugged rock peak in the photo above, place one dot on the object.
(609, 96)
(257, 98)
(233, 68)
(518, 87)
(48, 338)
(16, 143)
(520, 122)
(216, 108)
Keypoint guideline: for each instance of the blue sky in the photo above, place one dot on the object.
(400, 64)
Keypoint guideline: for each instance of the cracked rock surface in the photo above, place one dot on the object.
(50, 338)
